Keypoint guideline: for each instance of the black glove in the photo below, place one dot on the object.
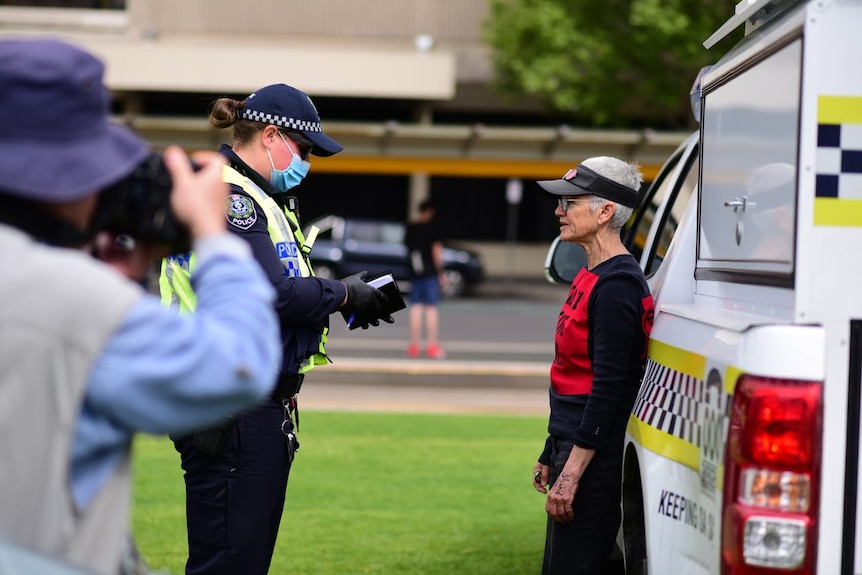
(364, 305)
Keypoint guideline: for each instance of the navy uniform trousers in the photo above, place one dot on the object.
(234, 500)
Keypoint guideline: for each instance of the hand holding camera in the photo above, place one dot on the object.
(167, 200)
(158, 209)
(198, 196)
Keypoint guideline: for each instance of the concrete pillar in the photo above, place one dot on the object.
(420, 182)
(420, 189)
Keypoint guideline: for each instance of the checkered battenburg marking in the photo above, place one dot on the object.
(839, 161)
(683, 406)
(283, 121)
(292, 268)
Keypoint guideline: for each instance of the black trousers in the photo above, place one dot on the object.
(583, 546)
(234, 500)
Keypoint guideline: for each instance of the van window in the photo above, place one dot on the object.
(749, 154)
(668, 197)
(670, 219)
(637, 228)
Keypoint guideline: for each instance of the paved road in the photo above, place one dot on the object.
(499, 346)
(320, 395)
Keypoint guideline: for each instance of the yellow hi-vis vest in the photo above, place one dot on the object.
(175, 283)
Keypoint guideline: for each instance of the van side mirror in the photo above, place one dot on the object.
(564, 261)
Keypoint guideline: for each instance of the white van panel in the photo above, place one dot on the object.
(673, 282)
(830, 221)
(784, 351)
(681, 523)
(766, 300)
(800, 352)
(735, 307)
(677, 429)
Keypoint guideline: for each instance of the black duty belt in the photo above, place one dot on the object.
(287, 386)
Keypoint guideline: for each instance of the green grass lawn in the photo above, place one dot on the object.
(419, 494)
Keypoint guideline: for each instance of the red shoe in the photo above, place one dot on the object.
(413, 350)
(435, 352)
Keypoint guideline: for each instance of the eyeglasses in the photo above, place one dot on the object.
(566, 203)
(302, 143)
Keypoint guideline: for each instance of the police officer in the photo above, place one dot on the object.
(236, 474)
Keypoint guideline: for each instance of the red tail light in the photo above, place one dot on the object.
(771, 477)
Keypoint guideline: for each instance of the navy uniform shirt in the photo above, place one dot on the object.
(303, 305)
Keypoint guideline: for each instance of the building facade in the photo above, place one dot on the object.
(404, 85)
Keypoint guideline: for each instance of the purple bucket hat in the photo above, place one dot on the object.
(56, 141)
(292, 109)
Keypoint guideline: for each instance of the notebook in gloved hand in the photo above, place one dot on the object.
(386, 283)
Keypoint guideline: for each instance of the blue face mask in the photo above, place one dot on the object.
(283, 180)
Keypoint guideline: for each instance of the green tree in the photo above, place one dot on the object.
(605, 62)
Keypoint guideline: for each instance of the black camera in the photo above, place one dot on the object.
(140, 206)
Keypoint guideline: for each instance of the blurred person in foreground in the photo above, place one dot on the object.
(600, 349)
(87, 358)
(425, 253)
(236, 473)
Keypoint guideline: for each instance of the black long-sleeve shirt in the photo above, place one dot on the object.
(600, 350)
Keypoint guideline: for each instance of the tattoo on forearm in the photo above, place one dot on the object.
(564, 478)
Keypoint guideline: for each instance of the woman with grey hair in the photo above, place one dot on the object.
(600, 349)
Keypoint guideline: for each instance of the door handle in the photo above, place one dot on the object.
(739, 204)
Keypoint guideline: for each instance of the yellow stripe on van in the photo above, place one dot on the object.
(839, 110)
(731, 375)
(838, 212)
(677, 359)
(664, 444)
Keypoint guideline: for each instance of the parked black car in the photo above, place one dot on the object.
(345, 246)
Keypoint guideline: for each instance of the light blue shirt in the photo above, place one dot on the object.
(163, 372)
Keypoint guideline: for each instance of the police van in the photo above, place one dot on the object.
(742, 450)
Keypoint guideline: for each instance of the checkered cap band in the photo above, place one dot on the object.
(282, 121)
